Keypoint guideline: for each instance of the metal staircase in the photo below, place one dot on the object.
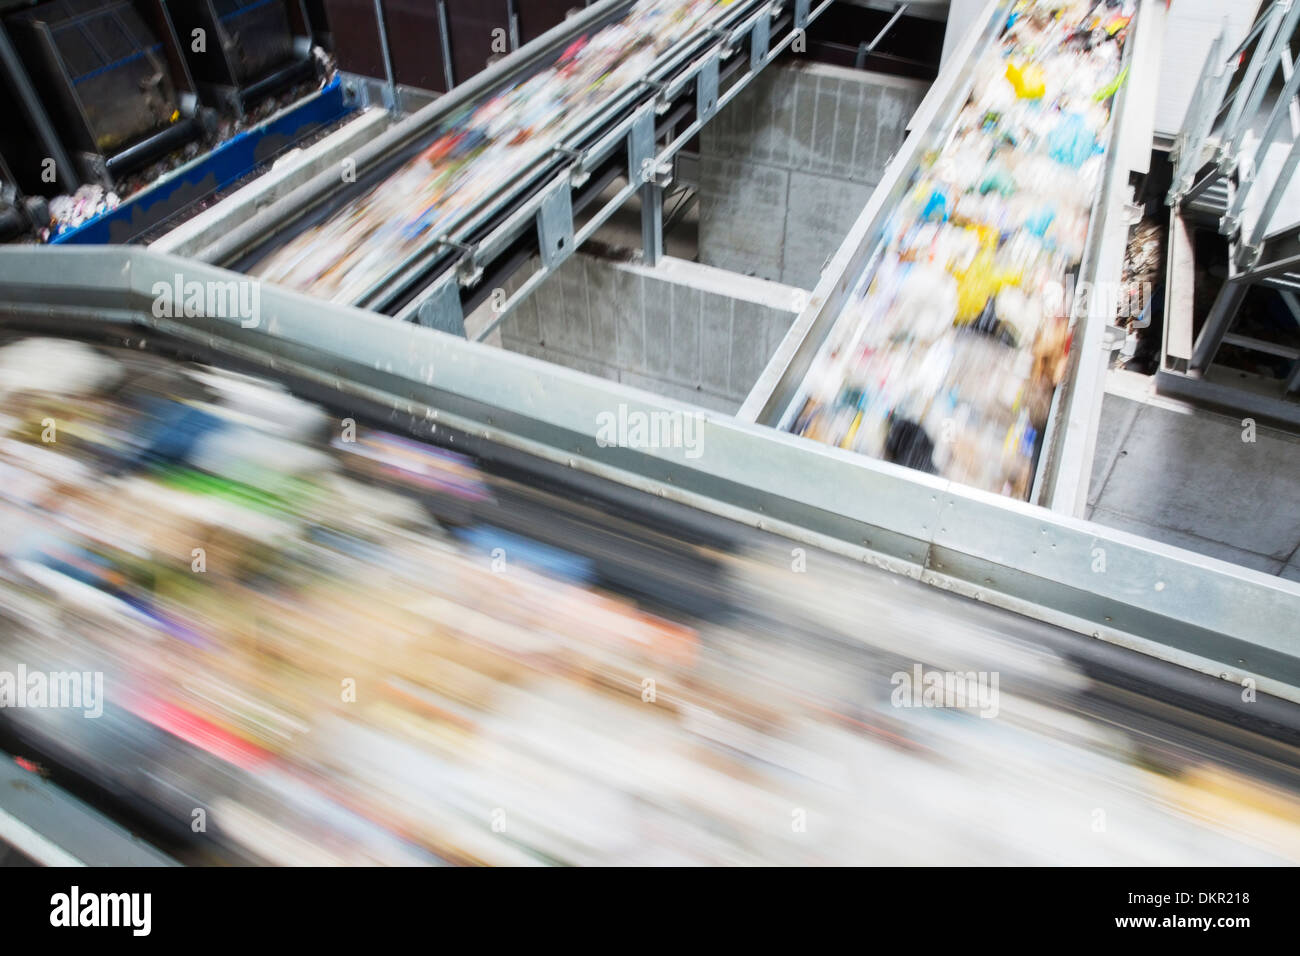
(1234, 171)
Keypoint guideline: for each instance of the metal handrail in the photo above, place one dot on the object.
(1271, 35)
(1249, 175)
(1188, 145)
(1263, 51)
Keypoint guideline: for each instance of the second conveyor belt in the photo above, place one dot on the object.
(457, 187)
(944, 333)
(948, 352)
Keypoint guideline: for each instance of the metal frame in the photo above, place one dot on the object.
(1064, 465)
(649, 168)
(77, 125)
(66, 173)
(1216, 178)
(390, 86)
(865, 47)
(1197, 612)
(366, 91)
(226, 86)
(702, 73)
(444, 37)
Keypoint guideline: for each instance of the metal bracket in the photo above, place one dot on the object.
(469, 271)
(760, 41)
(390, 84)
(555, 225)
(1249, 257)
(459, 246)
(801, 13)
(641, 148)
(1224, 160)
(706, 89)
(726, 45)
(468, 268)
(652, 224)
(661, 102)
(578, 174)
(442, 310)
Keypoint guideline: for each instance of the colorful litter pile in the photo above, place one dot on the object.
(947, 357)
(476, 152)
(323, 643)
(69, 212)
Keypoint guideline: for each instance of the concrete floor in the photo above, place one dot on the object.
(1195, 479)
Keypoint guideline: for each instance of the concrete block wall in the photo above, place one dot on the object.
(787, 167)
(1183, 475)
(679, 329)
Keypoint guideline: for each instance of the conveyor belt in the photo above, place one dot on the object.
(770, 548)
(632, 131)
(1148, 741)
(1061, 436)
(1134, 676)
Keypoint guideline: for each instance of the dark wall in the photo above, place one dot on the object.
(415, 39)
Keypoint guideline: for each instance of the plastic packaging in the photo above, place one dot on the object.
(946, 357)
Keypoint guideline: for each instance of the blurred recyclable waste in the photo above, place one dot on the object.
(948, 354)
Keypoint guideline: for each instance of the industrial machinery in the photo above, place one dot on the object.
(256, 48)
(18, 214)
(1063, 448)
(633, 131)
(136, 110)
(120, 91)
(709, 530)
(527, 205)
